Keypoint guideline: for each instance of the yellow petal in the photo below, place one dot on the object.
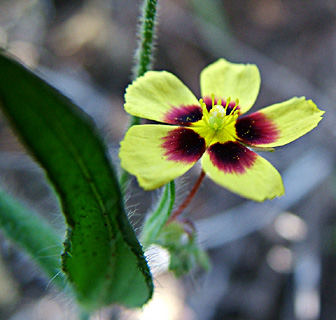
(161, 96)
(235, 167)
(157, 154)
(279, 124)
(237, 81)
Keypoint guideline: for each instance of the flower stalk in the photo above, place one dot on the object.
(187, 201)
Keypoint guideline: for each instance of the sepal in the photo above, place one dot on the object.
(180, 239)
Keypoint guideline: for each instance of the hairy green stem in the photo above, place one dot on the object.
(144, 52)
(158, 218)
(146, 33)
(143, 55)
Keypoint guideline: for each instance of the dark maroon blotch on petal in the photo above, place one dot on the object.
(183, 115)
(231, 157)
(256, 129)
(183, 145)
(208, 103)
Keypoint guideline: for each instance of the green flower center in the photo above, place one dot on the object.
(219, 116)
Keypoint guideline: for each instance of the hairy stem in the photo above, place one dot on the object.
(144, 52)
(146, 33)
(143, 55)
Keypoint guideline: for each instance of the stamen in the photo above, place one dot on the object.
(205, 112)
(228, 100)
(219, 116)
(213, 100)
(236, 105)
(234, 113)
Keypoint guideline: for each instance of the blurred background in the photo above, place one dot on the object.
(275, 260)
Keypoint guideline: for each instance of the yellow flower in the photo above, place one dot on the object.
(211, 129)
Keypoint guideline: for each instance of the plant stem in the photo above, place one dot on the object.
(144, 52)
(143, 55)
(146, 33)
(187, 201)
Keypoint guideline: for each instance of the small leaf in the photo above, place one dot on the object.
(33, 234)
(180, 239)
(157, 219)
(102, 259)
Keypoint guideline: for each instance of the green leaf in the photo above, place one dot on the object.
(157, 219)
(180, 239)
(102, 259)
(33, 234)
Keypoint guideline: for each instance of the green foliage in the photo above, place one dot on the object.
(156, 220)
(102, 258)
(179, 238)
(32, 233)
